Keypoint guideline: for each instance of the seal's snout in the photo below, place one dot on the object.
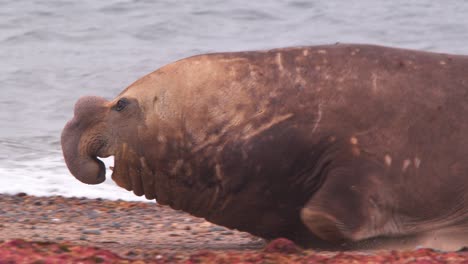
(81, 140)
(88, 106)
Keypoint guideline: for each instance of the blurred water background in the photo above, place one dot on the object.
(54, 51)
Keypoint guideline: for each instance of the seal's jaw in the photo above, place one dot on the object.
(129, 173)
(120, 173)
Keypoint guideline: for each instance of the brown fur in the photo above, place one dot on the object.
(330, 146)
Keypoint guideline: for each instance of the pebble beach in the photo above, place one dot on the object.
(80, 230)
(136, 229)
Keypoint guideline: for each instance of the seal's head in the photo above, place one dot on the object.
(102, 128)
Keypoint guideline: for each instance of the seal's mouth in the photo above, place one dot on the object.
(120, 174)
(130, 172)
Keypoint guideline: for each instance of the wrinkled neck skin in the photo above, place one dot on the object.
(218, 153)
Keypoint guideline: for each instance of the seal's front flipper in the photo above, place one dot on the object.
(324, 226)
(339, 211)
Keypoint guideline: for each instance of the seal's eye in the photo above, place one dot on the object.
(120, 105)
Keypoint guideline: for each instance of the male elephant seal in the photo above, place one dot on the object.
(340, 146)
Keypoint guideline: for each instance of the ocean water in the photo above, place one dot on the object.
(54, 51)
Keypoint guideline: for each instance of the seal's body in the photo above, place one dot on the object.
(331, 146)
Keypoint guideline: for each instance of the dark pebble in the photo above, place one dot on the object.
(21, 194)
(93, 214)
(91, 232)
(131, 253)
(38, 203)
(116, 225)
(227, 233)
(217, 228)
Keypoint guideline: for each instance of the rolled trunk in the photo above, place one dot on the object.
(86, 167)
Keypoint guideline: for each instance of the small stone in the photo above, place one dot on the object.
(83, 238)
(188, 228)
(174, 235)
(21, 194)
(282, 245)
(38, 203)
(226, 233)
(217, 228)
(116, 225)
(205, 224)
(91, 232)
(131, 253)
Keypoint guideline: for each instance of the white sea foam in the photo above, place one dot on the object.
(49, 176)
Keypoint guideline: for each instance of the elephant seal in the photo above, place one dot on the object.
(337, 146)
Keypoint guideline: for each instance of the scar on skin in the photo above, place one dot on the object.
(319, 118)
(214, 198)
(356, 151)
(406, 164)
(388, 160)
(279, 61)
(353, 140)
(177, 166)
(374, 82)
(219, 173)
(274, 121)
(417, 162)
